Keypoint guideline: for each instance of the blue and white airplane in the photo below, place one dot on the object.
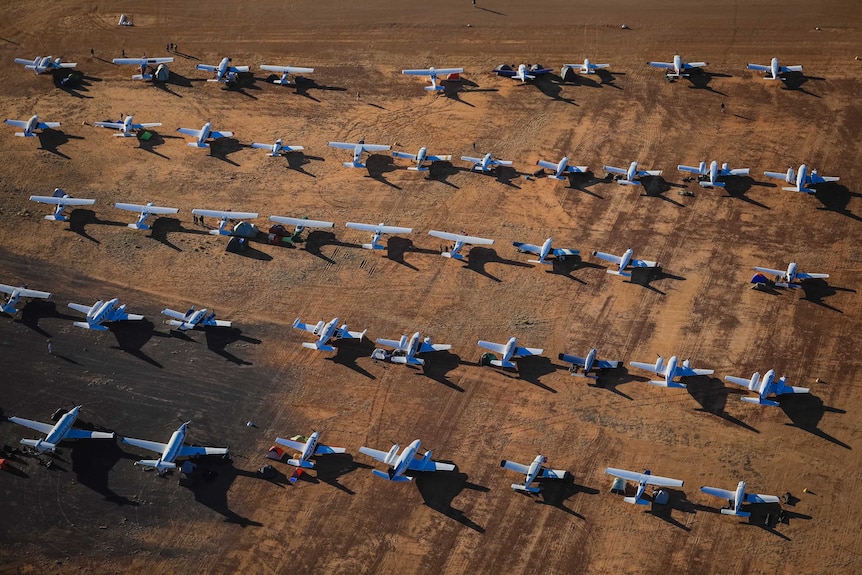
(310, 448)
(420, 158)
(409, 348)
(532, 472)
(143, 64)
(300, 223)
(15, 294)
(359, 148)
(58, 432)
(523, 73)
(224, 72)
(460, 242)
(285, 71)
(62, 200)
(145, 211)
(586, 68)
(737, 498)
(670, 371)
(127, 127)
(562, 168)
(765, 387)
(629, 175)
(802, 179)
(30, 126)
(790, 277)
(42, 64)
(544, 251)
(399, 464)
(194, 318)
(201, 136)
(432, 74)
(174, 449)
(642, 479)
(588, 364)
(774, 70)
(378, 230)
(325, 332)
(485, 163)
(103, 312)
(709, 174)
(278, 148)
(624, 262)
(677, 68)
(509, 351)
(224, 218)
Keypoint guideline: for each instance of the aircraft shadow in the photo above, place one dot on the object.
(316, 239)
(80, 218)
(645, 276)
(92, 462)
(155, 140)
(737, 186)
(50, 140)
(162, 226)
(479, 257)
(700, 80)
(608, 78)
(440, 172)
(796, 80)
(581, 181)
(438, 365)
(656, 187)
(330, 468)
(210, 483)
(347, 351)
(555, 492)
(242, 82)
(530, 369)
(817, 289)
(805, 410)
(223, 147)
(36, 309)
(835, 198)
(131, 337)
(550, 86)
(378, 165)
(303, 85)
(676, 502)
(218, 338)
(296, 161)
(73, 82)
(711, 394)
(242, 247)
(439, 489)
(566, 267)
(610, 379)
(396, 247)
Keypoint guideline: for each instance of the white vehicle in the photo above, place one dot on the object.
(545, 250)
(533, 472)
(42, 64)
(358, 148)
(399, 464)
(377, 232)
(789, 277)
(737, 498)
(174, 449)
(201, 136)
(278, 148)
(709, 175)
(774, 70)
(143, 64)
(485, 163)
(523, 73)
(325, 332)
(146, 210)
(586, 68)
(127, 127)
(765, 387)
(420, 158)
(432, 74)
(103, 312)
(629, 175)
(30, 126)
(670, 371)
(285, 71)
(562, 168)
(588, 364)
(224, 217)
(801, 179)
(224, 72)
(409, 348)
(509, 351)
(625, 261)
(194, 318)
(58, 432)
(300, 223)
(460, 241)
(62, 200)
(643, 479)
(677, 68)
(311, 448)
(15, 294)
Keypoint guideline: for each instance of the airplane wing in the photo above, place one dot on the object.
(429, 347)
(148, 209)
(759, 67)
(238, 68)
(527, 247)
(382, 229)
(615, 170)
(758, 498)
(804, 276)
(608, 257)
(63, 201)
(690, 65)
(327, 450)
(154, 446)
(217, 135)
(227, 214)
(342, 145)
(375, 147)
(513, 466)
(438, 71)
(261, 146)
(527, 351)
(85, 309)
(16, 123)
(206, 67)
(720, 493)
(683, 371)
(495, 347)
(645, 477)
(389, 342)
(37, 425)
(738, 380)
(374, 453)
(607, 364)
(507, 73)
(573, 359)
(642, 263)
(23, 292)
(564, 252)
(307, 327)
(666, 65)
(301, 222)
(642, 173)
(147, 125)
(404, 156)
(465, 158)
(297, 445)
(190, 451)
(791, 68)
(86, 434)
(554, 473)
(189, 132)
(646, 366)
(429, 465)
(286, 69)
(770, 271)
(114, 125)
(691, 169)
(458, 237)
(142, 61)
(501, 162)
(545, 164)
(174, 314)
(25, 61)
(47, 125)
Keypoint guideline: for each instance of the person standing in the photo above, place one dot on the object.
(50, 347)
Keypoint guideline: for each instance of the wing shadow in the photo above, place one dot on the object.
(131, 336)
(656, 187)
(805, 411)
(531, 368)
(347, 351)
(711, 394)
(555, 492)
(210, 483)
(700, 79)
(36, 309)
(835, 198)
(440, 172)
(817, 289)
(50, 140)
(222, 147)
(677, 501)
(438, 365)
(439, 489)
(396, 247)
(218, 338)
(737, 186)
(92, 461)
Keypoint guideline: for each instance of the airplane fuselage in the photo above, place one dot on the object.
(765, 385)
(534, 469)
(632, 173)
(510, 348)
(677, 64)
(174, 445)
(774, 68)
(670, 370)
(310, 446)
(328, 330)
(101, 313)
(420, 157)
(626, 258)
(205, 133)
(589, 360)
(222, 68)
(546, 249)
(59, 431)
(739, 496)
(790, 274)
(486, 161)
(32, 124)
(403, 463)
(413, 345)
(561, 167)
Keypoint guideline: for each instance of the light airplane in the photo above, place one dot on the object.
(102, 312)
(224, 72)
(587, 67)
(127, 127)
(765, 387)
(624, 262)
(277, 148)
(544, 251)
(790, 275)
(533, 472)
(774, 69)
(399, 464)
(737, 498)
(485, 163)
(224, 217)
(285, 71)
(562, 168)
(523, 73)
(41, 64)
(358, 148)
(460, 241)
(30, 126)
(670, 371)
(56, 433)
(802, 179)
(307, 450)
(174, 449)
(709, 175)
(15, 294)
(146, 211)
(677, 67)
(378, 231)
(194, 318)
(432, 74)
(301, 223)
(62, 200)
(411, 347)
(143, 63)
(420, 158)
(631, 173)
(588, 364)
(509, 351)
(643, 479)
(201, 136)
(325, 332)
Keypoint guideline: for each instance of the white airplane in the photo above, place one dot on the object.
(172, 450)
(562, 168)
(411, 347)
(358, 148)
(544, 251)
(420, 158)
(485, 163)
(765, 387)
(432, 74)
(587, 67)
(285, 71)
(62, 200)
(737, 498)
(307, 450)
(509, 351)
(802, 179)
(630, 174)
(624, 262)
(224, 72)
(58, 432)
(143, 63)
(671, 370)
(523, 73)
(643, 479)
(325, 332)
(194, 318)
(533, 472)
(41, 64)
(378, 231)
(399, 464)
(588, 363)
(15, 294)
(30, 126)
(301, 223)
(101, 312)
(127, 127)
(774, 69)
(224, 217)
(790, 275)
(709, 175)
(201, 136)
(277, 148)
(146, 211)
(460, 241)
(677, 67)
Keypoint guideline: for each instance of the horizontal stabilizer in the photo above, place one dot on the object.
(396, 478)
(415, 169)
(198, 145)
(628, 182)
(636, 500)
(435, 88)
(503, 363)
(42, 446)
(301, 463)
(707, 184)
(619, 273)
(663, 383)
(156, 463)
(546, 262)
(94, 326)
(527, 488)
(318, 346)
(736, 513)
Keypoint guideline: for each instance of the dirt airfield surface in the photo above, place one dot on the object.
(93, 511)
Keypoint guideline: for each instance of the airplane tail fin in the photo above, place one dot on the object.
(437, 88)
(415, 169)
(637, 500)
(619, 273)
(300, 463)
(387, 477)
(156, 464)
(503, 363)
(39, 445)
(736, 513)
(759, 401)
(373, 246)
(527, 488)
(546, 262)
(86, 325)
(707, 184)
(196, 145)
(318, 346)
